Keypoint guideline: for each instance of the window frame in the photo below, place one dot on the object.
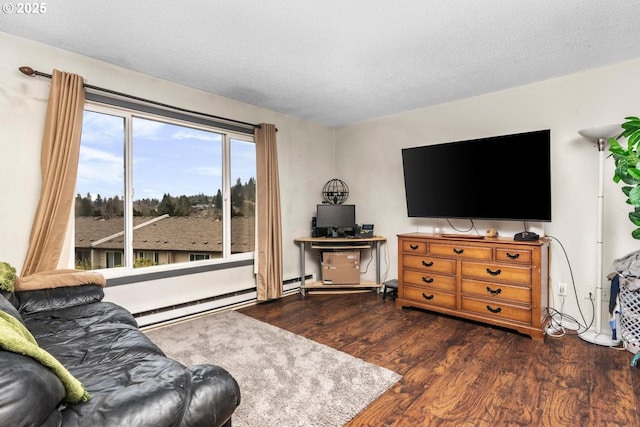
(228, 134)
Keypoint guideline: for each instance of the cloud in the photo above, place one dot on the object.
(102, 129)
(195, 134)
(149, 129)
(100, 172)
(88, 154)
(207, 171)
(166, 158)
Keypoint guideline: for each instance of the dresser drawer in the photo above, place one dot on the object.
(409, 246)
(429, 297)
(497, 272)
(433, 281)
(461, 251)
(497, 310)
(430, 264)
(520, 256)
(496, 291)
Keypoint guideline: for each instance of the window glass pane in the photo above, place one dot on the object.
(199, 257)
(113, 259)
(99, 220)
(243, 196)
(174, 203)
(177, 171)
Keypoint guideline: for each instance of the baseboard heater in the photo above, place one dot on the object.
(194, 308)
(294, 283)
(205, 305)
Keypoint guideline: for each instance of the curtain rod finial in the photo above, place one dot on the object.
(27, 70)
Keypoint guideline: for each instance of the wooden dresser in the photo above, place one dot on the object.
(494, 280)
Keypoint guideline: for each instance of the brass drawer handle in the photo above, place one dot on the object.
(427, 297)
(494, 272)
(494, 310)
(427, 264)
(414, 247)
(458, 251)
(427, 279)
(494, 291)
(513, 256)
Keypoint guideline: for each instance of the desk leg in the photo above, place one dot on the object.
(302, 268)
(378, 263)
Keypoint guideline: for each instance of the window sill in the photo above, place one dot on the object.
(124, 276)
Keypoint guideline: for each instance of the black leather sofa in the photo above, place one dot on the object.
(131, 381)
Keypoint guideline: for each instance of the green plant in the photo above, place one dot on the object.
(627, 165)
(143, 262)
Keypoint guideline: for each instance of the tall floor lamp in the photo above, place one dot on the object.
(599, 135)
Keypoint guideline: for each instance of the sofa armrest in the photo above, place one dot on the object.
(215, 396)
(58, 298)
(6, 305)
(31, 392)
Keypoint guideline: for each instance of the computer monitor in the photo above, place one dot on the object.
(335, 216)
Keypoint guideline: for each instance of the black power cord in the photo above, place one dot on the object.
(552, 312)
(471, 227)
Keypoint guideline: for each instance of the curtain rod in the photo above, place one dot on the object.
(31, 72)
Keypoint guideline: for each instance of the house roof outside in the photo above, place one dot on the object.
(192, 234)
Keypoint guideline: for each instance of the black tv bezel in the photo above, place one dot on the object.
(333, 226)
(542, 215)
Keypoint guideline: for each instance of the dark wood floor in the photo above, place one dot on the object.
(459, 373)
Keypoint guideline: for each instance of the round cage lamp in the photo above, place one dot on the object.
(335, 192)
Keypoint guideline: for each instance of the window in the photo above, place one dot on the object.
(146, 259)
(114, 259)
(199, 257)
(153, 190)
(83, 259)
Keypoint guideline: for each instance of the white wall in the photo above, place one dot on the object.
(302, 150)
(368, 158)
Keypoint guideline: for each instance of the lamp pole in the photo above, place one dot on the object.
(599, 135)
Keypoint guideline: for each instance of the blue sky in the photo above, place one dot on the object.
(167, 158)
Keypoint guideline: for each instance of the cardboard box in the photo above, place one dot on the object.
(341, 268)
(335, 258)
(340, 275)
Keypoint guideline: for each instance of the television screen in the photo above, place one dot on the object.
(504, 177)
(335, 216)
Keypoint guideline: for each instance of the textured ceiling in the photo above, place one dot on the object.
(338, 62)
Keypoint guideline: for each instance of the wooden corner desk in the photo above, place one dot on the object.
(338, 244)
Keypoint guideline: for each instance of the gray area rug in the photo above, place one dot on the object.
(285, 380)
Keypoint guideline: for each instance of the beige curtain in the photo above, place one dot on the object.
(59, 166)
(269, 279)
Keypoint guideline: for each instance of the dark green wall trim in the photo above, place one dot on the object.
(126, 280)
(146, 108)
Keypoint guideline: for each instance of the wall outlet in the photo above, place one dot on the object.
(606, 294)
(562, 289)
(590, 293)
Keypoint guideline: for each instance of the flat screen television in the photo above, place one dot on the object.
(335, 216)
(505, 177)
